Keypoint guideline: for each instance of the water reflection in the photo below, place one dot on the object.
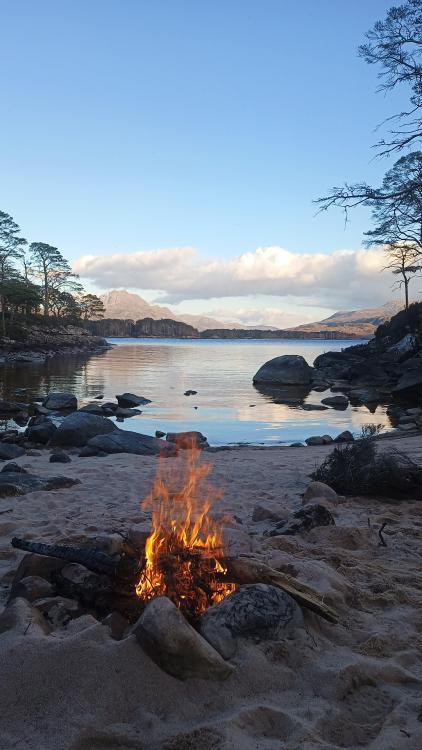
(227, 407)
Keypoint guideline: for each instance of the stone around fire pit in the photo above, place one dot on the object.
(175, 646)
(126, 441)
(187, 439)
(257, 611)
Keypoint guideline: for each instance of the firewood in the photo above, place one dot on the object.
(244, 570)
(93, 559)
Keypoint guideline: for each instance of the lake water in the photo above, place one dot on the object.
(227, 407)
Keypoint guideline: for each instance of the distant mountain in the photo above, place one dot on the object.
(123, 305)
(358, 322)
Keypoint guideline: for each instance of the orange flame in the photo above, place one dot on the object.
(185, 547)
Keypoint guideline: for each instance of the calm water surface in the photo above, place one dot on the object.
(227, 407)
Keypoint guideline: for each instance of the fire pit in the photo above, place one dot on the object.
(171, 579)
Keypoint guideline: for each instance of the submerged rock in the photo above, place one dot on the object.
(173, 644)
(289, 369)
(337, 402)
(127, 400)
(257, 611)
(58, 401)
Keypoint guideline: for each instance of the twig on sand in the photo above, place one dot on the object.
(383, 542)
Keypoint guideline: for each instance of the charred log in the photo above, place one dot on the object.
(119, 567)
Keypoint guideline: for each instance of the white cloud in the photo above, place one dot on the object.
(343, 279)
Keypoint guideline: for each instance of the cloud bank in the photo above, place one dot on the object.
(343, 279)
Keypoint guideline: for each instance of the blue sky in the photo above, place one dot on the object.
(136, 126)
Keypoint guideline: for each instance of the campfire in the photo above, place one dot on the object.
(183, 554)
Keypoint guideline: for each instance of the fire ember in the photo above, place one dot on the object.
(183, 554)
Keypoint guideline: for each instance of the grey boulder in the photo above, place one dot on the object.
(126, 441)
(289, 369)
(58, 401)
(78, 428)
(175, 646)
(13, 484)
(257, 611)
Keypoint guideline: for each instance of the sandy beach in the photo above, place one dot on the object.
(355, 684)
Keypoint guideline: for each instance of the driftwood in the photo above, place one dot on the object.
(99, 562)
(248, 570)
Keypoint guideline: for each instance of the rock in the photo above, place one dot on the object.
(127, 400)
(406, 345)
(315, 440)
(21, 418)
(256, 611)
(126, 441)
(18, 615)
(314, 407)
(175, 646)
(327, 439)
(99, 397)
(32, 588)
(8, 451)
(289, 369)
(190, 393)
(60, 458)
(41, 410)
(78, 428)
(407, 427)
(344, 437)
(13, 468)
(297, 445)
(410, 383)
(13, 484)
(159, 434)
(92, 409)
(406, 419)
(111, 544)
(187, 439)
(304, 520)
(117, 625)
(58, 401)
(125, 413)
(319, 490)
(33, 453)
(138, 535)
(109, 406)
(37, 565)
(337, 402)
(7, 407)
(236, 541)
(261, 513)
(41, 433)
(58, 610)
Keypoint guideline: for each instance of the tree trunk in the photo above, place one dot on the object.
(406, 293)
(46, 294)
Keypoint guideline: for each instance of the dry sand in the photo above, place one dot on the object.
(352, 685)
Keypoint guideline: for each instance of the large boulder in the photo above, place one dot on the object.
(289, 369)
(252, 611)
(410, 384)
(60, 401)
(175, 646)
(7, 407)
(78, 428)
(126, 441)
(127, 400)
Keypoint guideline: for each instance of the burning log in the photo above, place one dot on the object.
(243, 570)
(119, 567)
